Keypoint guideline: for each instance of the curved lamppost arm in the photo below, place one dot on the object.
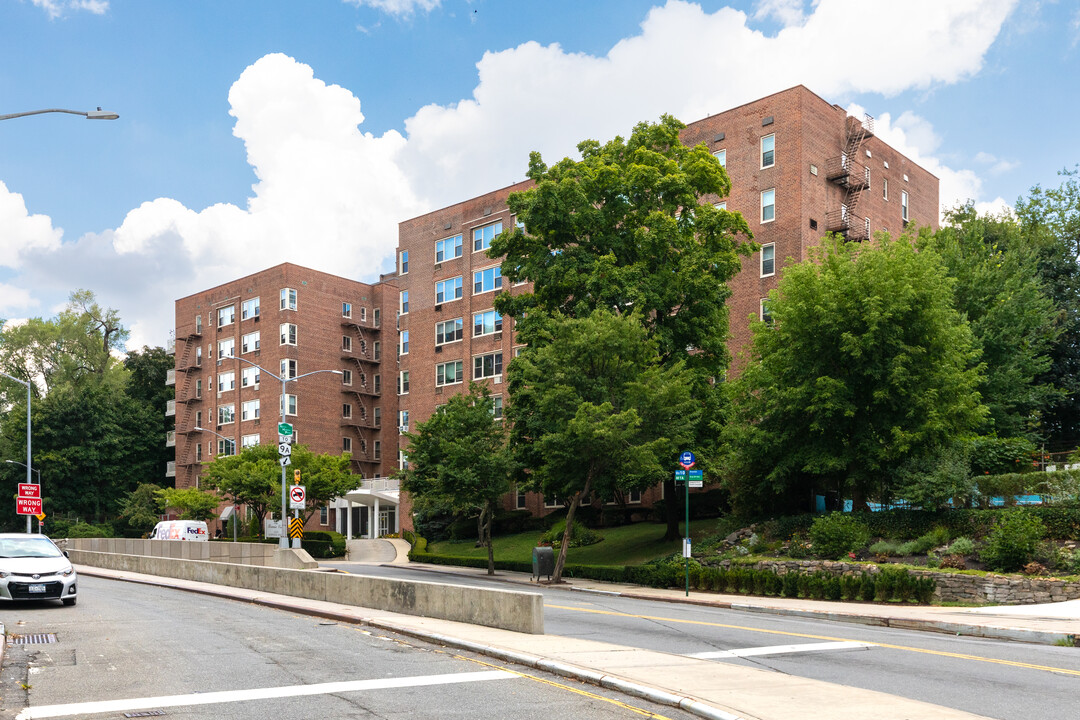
(98, 114)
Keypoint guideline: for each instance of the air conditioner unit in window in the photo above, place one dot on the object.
(438, 308)
(438, 266)
(498, 379)
(403, 428)
(438, 348)
(256, 318)
(498, 336)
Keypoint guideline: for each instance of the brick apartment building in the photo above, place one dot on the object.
(799, 167)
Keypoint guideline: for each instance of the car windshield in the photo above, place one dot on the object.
(31, 547)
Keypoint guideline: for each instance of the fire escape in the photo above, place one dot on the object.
(190, 368)
(853, 177)
(364, 393)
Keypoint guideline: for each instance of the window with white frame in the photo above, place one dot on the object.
(324, 515)
(403, 262)
(226, 316)
(249, 342)
(226, 446)
(198, 355)
(402, 460)
(486, 323)
(377, 350)
(487, 280)
(288, 369)
(448, 249)
(198, 388)
(403, 342)
(722, 205)
(884, 189)
(378, 384)
(768, 154)
(904, 205)
(403, 302)
(488, 365)
(447, 290)
(198, 452)
(377, 415)
(226, 414)
(346, 310)
(448, 331)
(288, 299)
(520, 499)
(249, 410)
(403, 383)
(482, 236)
(768, 205)
(346, 410)
(378, 450)
(768, 260)
(376, 317)
(552, 501)
(290, 406)
(346, 343)
(497, 407)
(247, 441)
(346, 444)
(288, 334)
(346, 377)
(226, 381)
(249, 309)
(226, 348)
(403, 420)
(766, 315)
(721, 156)
(449, 373)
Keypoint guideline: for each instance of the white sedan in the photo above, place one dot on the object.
(33, 568)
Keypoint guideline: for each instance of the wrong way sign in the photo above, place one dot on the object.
(297, 497)
(28, 506)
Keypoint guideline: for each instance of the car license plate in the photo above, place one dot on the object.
(36, 589)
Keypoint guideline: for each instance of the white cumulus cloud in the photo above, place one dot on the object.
(400, 8)
(56, 8)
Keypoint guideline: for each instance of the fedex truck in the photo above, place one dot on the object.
(180, 530)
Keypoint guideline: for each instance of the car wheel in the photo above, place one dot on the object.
(69, 601)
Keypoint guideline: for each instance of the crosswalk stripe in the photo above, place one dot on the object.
(780, 650)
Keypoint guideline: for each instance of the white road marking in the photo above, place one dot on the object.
(780, 650)
(210, 698)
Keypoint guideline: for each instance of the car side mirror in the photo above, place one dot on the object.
(65, 554)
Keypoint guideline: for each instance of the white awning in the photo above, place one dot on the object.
(227, 513)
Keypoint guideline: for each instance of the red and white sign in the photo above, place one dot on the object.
(28, 506)
(27, 490)
(297, 497)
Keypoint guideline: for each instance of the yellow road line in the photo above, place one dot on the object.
(942, 653)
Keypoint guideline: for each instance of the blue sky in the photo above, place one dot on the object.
(254, 132)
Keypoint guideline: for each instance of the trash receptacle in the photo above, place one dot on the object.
(543, 562)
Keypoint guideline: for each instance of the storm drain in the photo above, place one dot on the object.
(148, 713)
(31, 639)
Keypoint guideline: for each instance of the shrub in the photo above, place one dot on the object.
(1013, 541)
(911, 547)
(961, 546)
(323, 544)
(868, 588)
(884, 547)
(791, 584)
(580, 536)
(837, 534)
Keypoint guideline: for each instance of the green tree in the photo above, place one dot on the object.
(459, 460)
(595, 411)
(140, 508)
(147, 371)
(192, 503)
(865, 364)
(632, 225)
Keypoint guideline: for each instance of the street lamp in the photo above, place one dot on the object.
(16, 462)
(28, 467)
(235, 521)
(98, 114)
(283, 541)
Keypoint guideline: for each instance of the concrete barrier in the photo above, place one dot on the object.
(504, 609)
(226, 552)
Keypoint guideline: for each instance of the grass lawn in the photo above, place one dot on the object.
(624, 545)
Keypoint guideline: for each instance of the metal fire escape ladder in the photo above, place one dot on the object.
(849, 172)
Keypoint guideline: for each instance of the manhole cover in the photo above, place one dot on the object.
(31, 639)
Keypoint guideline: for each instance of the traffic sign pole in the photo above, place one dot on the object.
(687, 460)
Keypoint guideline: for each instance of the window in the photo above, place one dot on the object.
(403, 342)
(346, 343)
(198, 388)
(520, 499)
(766, 316)
(249, 377)
(768, 156)
(249, 410)
(324, 515)
(288, 299)
(482, 236)
(552, 502)
(198, 418)
(721, 156)
(448, 332)
(722, 205)
(198, 356)
(346, 377)
(226, 414)
(346, 310)
(288, 334)
(884, 189)
(485, 366)
(378, 417)
(448, 249)
(249, 309)
(867, 227)
(449, 373)
(249, 342)
(346, 410)
(486, 323)
(403, 263)
(402, 460)
(768, 205)
(376, 317)
(403, 303)
(225, 446)
(346, 444)
(377, 350)
(290, 407)
(378, 384)
(198, 324)
(403, 420)
(496, 407)
(198, 452)
(378, 450)
(403, 383)
(226, 381)
(226, 348)
(247, 441)
(487, 280)
(768, 263)
(904, 205)
(226, 315)
(288, 369)
(447, 290)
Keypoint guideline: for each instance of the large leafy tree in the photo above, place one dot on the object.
(866, 363)
(459, 461)
(192, 503)
(631, 226)
(595, 411)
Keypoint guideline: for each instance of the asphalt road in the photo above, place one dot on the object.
(129, 648)
(1011, 681)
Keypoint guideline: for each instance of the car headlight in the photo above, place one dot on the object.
(68, 571)
(4, 573)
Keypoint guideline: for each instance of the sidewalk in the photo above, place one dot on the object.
(1041, 624)
(702, 687)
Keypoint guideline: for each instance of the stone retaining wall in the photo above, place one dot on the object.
(951, 587)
